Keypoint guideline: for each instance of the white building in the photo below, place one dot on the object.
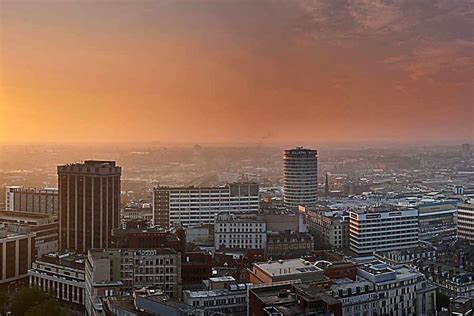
(190, 206)
(61, 275)
(240, 231)
(466, 222)
(386, 290)
(382, 229)
(222, 295)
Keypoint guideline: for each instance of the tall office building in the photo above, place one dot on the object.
(31, 200)
(188, 206)
(382, 229)
(89, 204)
(466, 222)
(300, 185)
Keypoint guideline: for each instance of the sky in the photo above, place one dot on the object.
(263, 71)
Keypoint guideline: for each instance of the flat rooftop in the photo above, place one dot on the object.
(285, 267)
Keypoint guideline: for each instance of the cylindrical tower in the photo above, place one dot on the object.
(300, 185)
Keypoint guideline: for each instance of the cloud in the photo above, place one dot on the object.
(430, 59)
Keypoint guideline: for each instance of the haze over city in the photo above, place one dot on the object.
(237, 157)
(236, 71)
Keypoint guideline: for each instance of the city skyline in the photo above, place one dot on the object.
(270, 72)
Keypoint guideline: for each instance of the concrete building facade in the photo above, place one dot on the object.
(240, 231)
(190, 206)
(300, 181)
(382, 229)
(89, 204)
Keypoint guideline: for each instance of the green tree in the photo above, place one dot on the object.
(25, 299)
(4, 300)
(50, 307)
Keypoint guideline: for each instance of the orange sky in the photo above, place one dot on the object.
(236, 71)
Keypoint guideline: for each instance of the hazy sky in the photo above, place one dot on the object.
(236, 71)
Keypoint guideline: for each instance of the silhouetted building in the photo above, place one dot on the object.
(195, 267)
(89, 204)
(300, 185)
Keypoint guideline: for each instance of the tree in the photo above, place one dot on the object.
(50, 307)
(25, 299)
(4, 300)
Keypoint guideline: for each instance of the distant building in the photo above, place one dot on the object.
(289, 244)
(137, 211)
(382, 229)
(46, 228)
(149, 238)
(89, 204)
(436, 220)
(466, 151)
(466, 222)
(240, 231)
(31, 200)
(62, 275)
(300, 185)
(17, 252)
(330, 229)
(190, 206)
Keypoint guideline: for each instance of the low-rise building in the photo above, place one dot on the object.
(285, 270)
(244, 231)
(329, 228)
(128, 269)
(45, 227)
(292, 299)
(17, 252)
(137, 211)
(289, 244)
(62, 275)
(358, 296)
(407, 256)
(400, 290)
(221, 295)
(451, 281)
(139, 237)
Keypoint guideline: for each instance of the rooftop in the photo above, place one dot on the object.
(286, 267)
